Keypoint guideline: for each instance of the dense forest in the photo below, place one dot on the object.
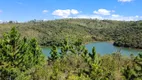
(48, 33)
(21, 59)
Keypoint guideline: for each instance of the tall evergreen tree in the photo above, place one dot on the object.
(18, 55)
(134, 72)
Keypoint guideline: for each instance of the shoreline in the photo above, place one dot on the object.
(98, 41)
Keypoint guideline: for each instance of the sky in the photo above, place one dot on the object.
(25, 10)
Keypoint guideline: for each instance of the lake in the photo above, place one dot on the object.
(103, 48)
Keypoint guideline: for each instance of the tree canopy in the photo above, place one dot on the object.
(18, 55)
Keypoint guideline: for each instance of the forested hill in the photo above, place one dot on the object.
(123, 33)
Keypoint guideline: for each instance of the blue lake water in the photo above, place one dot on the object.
(103, 48)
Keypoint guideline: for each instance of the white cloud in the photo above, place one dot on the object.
(61, 13)
(1, 21)
(45, 19)
(89, 16)
(110, 17)
(137, 16)
(124, 18)
(125, 0)
(115, 15)
(44, 11)
(65, 13)
(103, 12)
(73, 11)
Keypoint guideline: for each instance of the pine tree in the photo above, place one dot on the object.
(94, 56)
(138, 66)
(54, 53)
(65, 47)
(18, 55)
(96, 71)
(134, 72)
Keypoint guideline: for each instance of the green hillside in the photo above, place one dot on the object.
(122, 33)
